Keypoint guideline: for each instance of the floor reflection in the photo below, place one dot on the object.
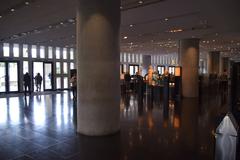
(151, 128)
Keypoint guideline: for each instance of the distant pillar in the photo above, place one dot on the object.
(189, 60)
(214, 62)
(226, 64)
(98, 79)
(220, 65)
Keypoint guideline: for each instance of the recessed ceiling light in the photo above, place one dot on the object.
(125, 37)
(166, 19)
(12, 9)
(27, 3)
(130, 25)
(140, 2)
(121, 7)
(0, 16)
(214, 40)
(61, 23)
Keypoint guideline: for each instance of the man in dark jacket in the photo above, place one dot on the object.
(27, 83)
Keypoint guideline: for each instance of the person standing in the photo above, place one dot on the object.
(27, 83)
(127, 79)
(73, 81)
(38, 81)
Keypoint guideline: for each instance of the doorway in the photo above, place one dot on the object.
(45, 70)
(9, 77)
(133, 69)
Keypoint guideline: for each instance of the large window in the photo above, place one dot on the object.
(137, 61)
(141, 58)
(72, 65)
(64, 53)
(129, 57)
(58, 79)
(65, 68)
(15, 50)
(124, 57)
(65, 82)
(25, 67)
(58, 68)
(34, 51)
(50, 52)
(42, 52)
(133, 58)
(6, 50)
(71, 54)
(25, 50)
(57, 53)
(120, 57)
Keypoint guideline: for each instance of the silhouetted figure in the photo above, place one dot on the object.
(73, 81)
(127, 79)
(27, 83)
(140, 85)
(38, 82)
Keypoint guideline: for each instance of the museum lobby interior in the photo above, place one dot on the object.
(154, 79)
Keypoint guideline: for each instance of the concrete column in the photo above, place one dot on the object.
(214, 59)
(189, 60)
(1, 50)
(98, 63)
(209, 64)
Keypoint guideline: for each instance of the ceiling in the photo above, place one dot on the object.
(147, 26)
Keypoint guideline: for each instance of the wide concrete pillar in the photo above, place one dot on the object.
(189, 60)
(98, 63)
(214, 62)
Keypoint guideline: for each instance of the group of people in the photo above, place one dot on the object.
(38, 82)
(28, 82)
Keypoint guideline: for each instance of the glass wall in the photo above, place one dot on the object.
(25, 50)
(63, 59)
(15, 50)
(34, 51)
(42, 52)
(6, 50)
(57, 53)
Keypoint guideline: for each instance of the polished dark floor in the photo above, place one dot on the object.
(43, 128)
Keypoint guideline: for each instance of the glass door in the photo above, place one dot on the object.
(133, 69)
(48, 76)
(37, 70)
(9, 77)
(13, 76)
(2, 77)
